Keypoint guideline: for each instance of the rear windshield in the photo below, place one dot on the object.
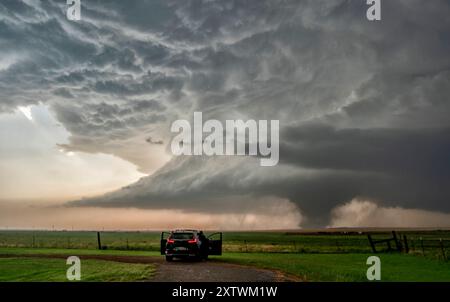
(182, 236)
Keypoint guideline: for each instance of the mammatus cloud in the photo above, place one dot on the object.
(363, 106)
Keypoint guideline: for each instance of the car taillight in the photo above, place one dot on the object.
(192, 241)
(170, 241)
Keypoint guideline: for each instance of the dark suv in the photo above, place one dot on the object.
(190, 244)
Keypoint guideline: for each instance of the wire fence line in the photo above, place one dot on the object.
(428, 244)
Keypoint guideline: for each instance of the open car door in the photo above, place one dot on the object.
(164, 236)
(215, 244)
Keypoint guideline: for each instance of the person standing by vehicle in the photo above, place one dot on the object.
(204, 245)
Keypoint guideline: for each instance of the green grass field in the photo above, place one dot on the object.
(311, 257)
(346, 267)
(266, 242)
(309, 267)
(38, 269)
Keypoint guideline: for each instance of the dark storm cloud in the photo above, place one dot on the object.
(333, 166)
(394, 166)
(363, 106)
(408, 153)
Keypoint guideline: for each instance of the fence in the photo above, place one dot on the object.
(428, 244)
(434, 247)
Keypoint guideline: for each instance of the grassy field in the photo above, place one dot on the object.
(38, 269)
(316, 256)
(309, 267)
(266, 242)
(346, 267)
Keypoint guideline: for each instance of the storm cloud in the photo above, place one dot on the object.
(363, 106)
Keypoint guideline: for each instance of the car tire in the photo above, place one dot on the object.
(169, 258)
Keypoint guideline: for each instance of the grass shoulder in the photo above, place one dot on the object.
(345, 267)
(44, 269)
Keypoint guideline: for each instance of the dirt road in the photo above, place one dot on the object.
(182, 271)
(212, 271)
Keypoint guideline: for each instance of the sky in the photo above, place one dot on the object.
(86, 108)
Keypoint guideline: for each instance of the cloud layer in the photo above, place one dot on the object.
(363, 106)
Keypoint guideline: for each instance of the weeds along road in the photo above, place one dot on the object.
(187, 271)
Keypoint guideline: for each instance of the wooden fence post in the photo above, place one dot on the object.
(405, 240)
(441, 243)
(371, 243)
(423, 248)
(99, 241)
(398, 245)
